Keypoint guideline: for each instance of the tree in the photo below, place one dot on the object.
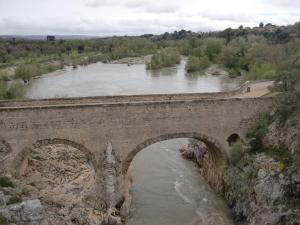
(213, 47)
(287, 80)
(196, 64)
(166, 57)
(261, 24)
(192, 64)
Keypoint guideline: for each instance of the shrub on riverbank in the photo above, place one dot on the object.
(13, 91)
(196, 64)
(165, 58)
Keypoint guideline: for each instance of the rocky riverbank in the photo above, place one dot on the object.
(262, 188)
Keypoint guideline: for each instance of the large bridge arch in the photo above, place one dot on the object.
(216, 150)
(19, 158)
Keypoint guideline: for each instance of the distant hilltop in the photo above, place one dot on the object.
(270, 31)
(44, 37)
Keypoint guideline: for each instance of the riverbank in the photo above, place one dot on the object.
(132, 60)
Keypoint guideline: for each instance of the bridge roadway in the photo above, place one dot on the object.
(257, 89)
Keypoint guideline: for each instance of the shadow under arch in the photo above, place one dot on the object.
(26, 151)
(217, 152)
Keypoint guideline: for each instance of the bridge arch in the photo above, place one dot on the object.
(217, 152)
(54, 141)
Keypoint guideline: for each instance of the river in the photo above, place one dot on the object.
(167, 189)
(119, 79)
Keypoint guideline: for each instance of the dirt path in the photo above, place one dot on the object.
(257, 89)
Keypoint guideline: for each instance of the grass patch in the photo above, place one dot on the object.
(280, 153)
(6, 182)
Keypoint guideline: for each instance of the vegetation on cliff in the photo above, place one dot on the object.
(267, 165)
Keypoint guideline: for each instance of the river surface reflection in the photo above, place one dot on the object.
(119, 79)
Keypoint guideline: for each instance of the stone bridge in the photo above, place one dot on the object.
(112, 130)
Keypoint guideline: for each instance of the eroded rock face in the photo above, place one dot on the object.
(264, 198)
(287, 132)
(64, 181)
(198, 152)
(26, 211)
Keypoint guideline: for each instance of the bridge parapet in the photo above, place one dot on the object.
(124, 98)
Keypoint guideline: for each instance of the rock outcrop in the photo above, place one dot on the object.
(261, 190)
(269, 196)
(212, 171)
(56, 186)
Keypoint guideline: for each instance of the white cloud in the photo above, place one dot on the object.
(109, 17)
(145, 5)
(285, 3)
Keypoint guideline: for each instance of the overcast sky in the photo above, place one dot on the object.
(130, 17)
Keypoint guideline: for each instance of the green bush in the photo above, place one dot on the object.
(289, 104)
(197, 64)
(192, 64)
(3, 220)
(247, 159)
(165, 58)
(286, 81)
(280, 153)
(15, 91)
(257, 133)
(213, 47)
(10, 92)
(261, 71)
(204, 62)
(5, 182)
(237, 152)
(27, 71)
(247, 174)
